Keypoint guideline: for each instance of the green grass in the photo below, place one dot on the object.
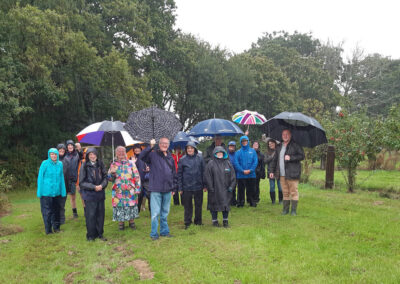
(336, 238)
(379, 180)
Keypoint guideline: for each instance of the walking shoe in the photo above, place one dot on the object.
(154, 238)
(215, 223)
(132, 226)
(286, 205)
(273, 197)
(75, 215)
(90, 239)
(294, 207)
(225, 223)
(167, 236)
(102, 238)
(121, 227)
(187, 226)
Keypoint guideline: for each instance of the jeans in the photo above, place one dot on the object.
(50, 207)
(160, 203)
(94, 215)
(187, 201)
(214, 215)
(272, 185)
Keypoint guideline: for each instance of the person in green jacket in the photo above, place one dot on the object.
(50, 190)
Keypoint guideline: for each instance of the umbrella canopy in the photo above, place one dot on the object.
(249, 118)
(215, 126)
(152, 123)
(181, 139)
(306, 131)
(103, 133)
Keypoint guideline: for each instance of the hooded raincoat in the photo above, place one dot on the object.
(246, 159)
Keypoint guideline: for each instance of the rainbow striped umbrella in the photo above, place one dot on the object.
(248, 117)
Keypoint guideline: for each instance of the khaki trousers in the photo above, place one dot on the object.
(290, 188)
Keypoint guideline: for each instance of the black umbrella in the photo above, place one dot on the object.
(152, 123)
(306, 131)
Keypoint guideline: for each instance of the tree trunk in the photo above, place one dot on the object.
(351, 179)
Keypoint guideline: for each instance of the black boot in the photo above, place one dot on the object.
(272, 195)
(280, 197)
(74, 212)
(294, 207)
(215, 223)
(225, 223)
(286, 205)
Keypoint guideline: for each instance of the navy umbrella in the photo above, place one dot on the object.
(215, 126)
(152, 123)
(181, 139)
(306, 131)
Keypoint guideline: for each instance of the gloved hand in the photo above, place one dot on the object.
(230, 189)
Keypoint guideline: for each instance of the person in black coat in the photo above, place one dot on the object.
(62, 149)
(220, 179)
(93, 182)
(191, 184)
(260, 170)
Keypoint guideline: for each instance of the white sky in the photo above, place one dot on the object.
(232, 24)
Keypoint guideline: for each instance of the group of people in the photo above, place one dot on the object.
(156, 174)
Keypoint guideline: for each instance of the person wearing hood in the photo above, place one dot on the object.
(208, 155)
(286, 165)
(269, 156)
(93, 182)
(73, 159)
(61, 155)
(50, 189)
(220, 180)
(191, 184)
(246, 162)
(260, 170)
(231, 153)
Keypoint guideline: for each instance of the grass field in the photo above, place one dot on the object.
(336, 238)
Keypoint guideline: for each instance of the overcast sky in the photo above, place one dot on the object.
(234, 25)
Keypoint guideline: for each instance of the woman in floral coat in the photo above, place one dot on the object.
(126, 188)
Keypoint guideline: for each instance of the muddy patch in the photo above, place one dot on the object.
(69, 278)
(10, 230)
(142, 268)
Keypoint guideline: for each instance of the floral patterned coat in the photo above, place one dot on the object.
(126, 183)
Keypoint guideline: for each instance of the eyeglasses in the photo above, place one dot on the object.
(164, 143)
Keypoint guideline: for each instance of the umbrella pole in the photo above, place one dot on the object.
(112, 145)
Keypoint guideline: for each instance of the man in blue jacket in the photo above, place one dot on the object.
(162, 184)
(246, 162)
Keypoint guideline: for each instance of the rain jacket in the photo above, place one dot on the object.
(260, 170)
(162, 170)
(293, 166)
(72, 159)
(91, 175)
(245, 159)
(51, 177)
(220, 180)
(208, 155)
(191, 172)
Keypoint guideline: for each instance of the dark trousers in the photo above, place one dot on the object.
(214, 215)
(257, 191)
(247, 185)
(144, 193)
(187, 201)
(233, 200)
(62, 209)
(94, 216)
(176, 199)
(50, 207)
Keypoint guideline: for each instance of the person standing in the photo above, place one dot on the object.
(286, 165)
(162, 184)
(177, 155)
(61, 155)
(260, 170)
(50, 189)
(269, 155)
(93, 183)
(191, 184)
(246, 162)
(144, 178)
(208, 155)
(231, 153)
(73, 159)
(126, 188)
(220, 180)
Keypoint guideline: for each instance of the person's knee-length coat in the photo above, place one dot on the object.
(220, 180)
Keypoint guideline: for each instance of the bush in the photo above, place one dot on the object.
(6, 184)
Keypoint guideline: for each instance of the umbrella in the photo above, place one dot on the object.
(248, 117)
(105, 133)
(215, 126)
(152, 123)
(181, 139)
(306, 131)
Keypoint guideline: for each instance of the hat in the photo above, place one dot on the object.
(70, 142)
(232, 143)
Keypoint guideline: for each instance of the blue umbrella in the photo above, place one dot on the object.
(181, 139)
(215, 126)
